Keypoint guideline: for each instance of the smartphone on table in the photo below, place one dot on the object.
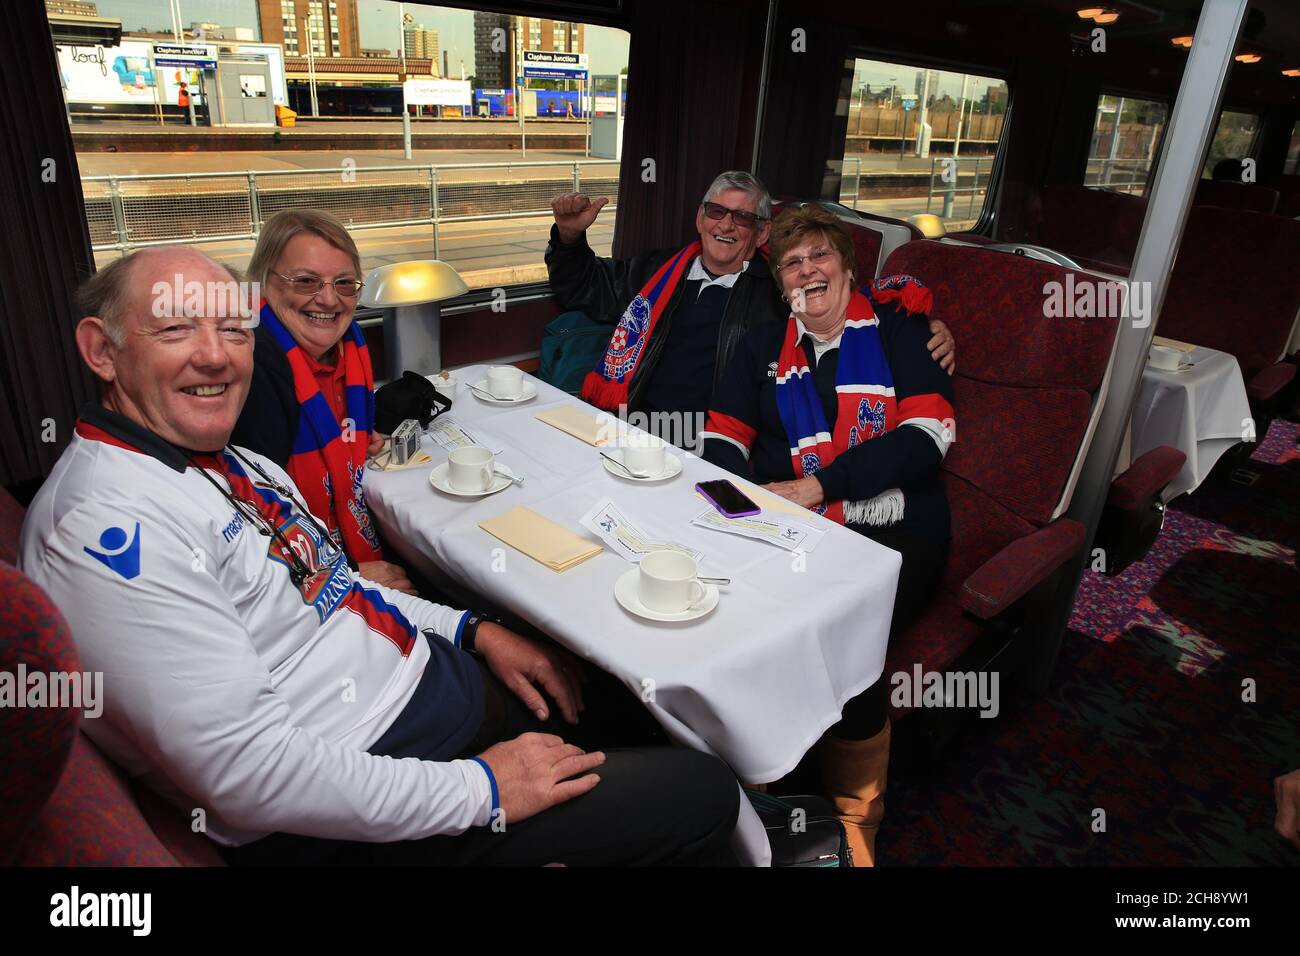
(727, 498)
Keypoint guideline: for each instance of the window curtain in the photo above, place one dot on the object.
(690, 113)
(806, 113)
(44, 252)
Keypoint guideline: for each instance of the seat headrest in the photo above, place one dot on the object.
(1017, 321)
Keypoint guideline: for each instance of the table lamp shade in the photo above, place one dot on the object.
(931, 226)
(411, 283)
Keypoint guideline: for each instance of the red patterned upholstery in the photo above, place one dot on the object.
(1235, 285)
(1017, 568)
(1023, 393)
(1230, 195)
(61, 802)
(34, 741)
(1094, 224)
(1145, 478)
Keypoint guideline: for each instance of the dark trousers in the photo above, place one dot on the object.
(923, 560)
(654, 805)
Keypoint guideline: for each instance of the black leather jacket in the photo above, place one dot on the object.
(602, 288)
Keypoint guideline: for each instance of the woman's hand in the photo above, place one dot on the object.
(376, 445)
(943, 347)
(805, 492)
(389, 575)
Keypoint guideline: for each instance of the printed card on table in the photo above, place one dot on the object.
(623, 536)
(773, 528)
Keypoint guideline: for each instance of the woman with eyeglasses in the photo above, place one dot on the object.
(311, 404)
(841, 410)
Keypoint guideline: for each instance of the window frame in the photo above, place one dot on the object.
(1131, 94)
(964, 67)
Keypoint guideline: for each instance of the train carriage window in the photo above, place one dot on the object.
(1125, 141)
(1234, 138)
(921, 140)
(176, 144)
(1293, 152)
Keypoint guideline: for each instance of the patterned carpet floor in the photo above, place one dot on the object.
(1145, 718)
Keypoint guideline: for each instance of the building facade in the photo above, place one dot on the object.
(500, 39)
(319, 27)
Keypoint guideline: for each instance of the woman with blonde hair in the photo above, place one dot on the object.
(311, 406)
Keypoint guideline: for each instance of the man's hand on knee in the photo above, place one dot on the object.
(537, 771)
(574, 212)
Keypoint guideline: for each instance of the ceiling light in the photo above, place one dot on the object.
(1109, 16)
(1247, 58)
(1291, 72)
(1091, 13)
(1184, 42)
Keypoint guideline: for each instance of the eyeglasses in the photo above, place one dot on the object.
(817, 258)
(309, 285)
(741, 217)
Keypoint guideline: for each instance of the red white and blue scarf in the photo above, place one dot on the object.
(328, 469)
(867, 407)
(607, 386)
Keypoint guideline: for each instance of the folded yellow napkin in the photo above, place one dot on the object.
(541, 538)
(768, 502)
(1172, 344)
(579, 424)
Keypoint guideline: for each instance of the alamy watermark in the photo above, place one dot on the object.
(232, 299)
(1098, 300)
(921, 688)
(83, 690)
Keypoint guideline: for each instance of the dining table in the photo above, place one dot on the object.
(756, 681)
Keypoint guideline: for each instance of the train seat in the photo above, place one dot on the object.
(1096, 227)
(1288, 187)
(1230, 195)
(1028, 389)
(1235, 288)
(62, 802)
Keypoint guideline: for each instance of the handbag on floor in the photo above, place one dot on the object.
(803, 830)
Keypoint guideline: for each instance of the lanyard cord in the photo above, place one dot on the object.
(299, 572)
(283, 489)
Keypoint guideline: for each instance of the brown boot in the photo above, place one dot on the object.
(854, 773)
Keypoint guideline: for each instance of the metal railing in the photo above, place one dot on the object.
(131, 212)
(949, 171)
(1102, 171)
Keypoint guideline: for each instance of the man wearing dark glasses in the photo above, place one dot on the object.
(679, 312)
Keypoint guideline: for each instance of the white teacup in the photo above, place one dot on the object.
(505, 381)
(446, 386)
(644, 456)
(1163, 357)
(470, 469)
(669, 582)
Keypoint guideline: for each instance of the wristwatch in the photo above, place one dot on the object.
(469, 630)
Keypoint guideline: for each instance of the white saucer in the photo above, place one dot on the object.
(480, 391)
(438, 478)
(672, 467)
(625, 592)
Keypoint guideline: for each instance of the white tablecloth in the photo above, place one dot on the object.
(1201, 410)
(756, 682)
